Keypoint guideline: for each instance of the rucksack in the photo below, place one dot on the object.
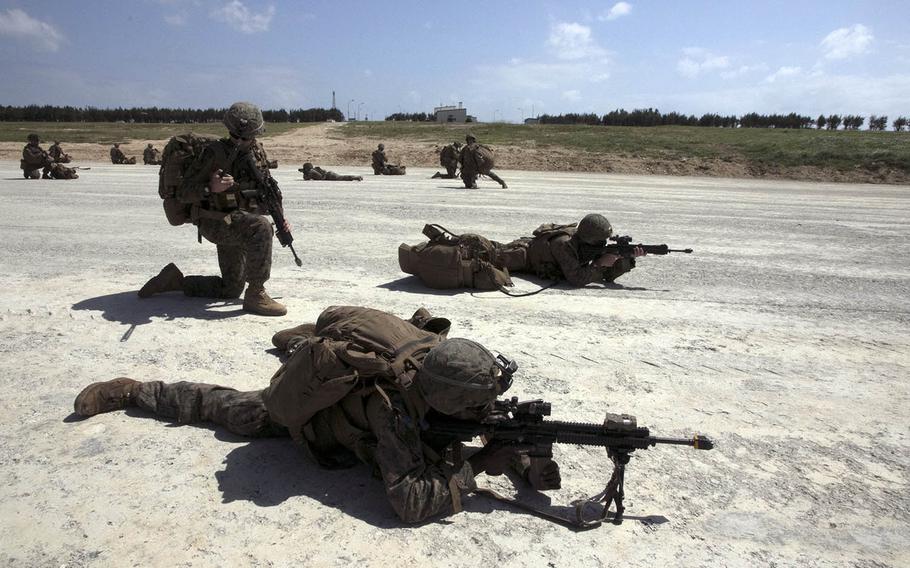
(353, 348)
(483, 158)
(178, 154)
(454, 261)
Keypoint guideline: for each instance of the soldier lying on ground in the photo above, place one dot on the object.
(448, 158)
(234, 222)
(311, 172)
(555, 252)
(118, 157)
(58, 155)
(358, 385)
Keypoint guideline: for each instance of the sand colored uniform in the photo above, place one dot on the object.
(35, 163)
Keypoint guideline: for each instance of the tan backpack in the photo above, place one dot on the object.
(540, 258)
(483, 158)
(454, 261)
(353, 348)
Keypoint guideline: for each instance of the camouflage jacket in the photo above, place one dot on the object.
(448, 158)
(34, 157)
(117, 156)
(56, 152)
(222, 155)
(579, 272)
(379, 158)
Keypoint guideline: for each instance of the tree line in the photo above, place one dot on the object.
(653, 117)
(49, 113)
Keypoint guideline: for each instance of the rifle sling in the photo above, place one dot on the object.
(578, 522)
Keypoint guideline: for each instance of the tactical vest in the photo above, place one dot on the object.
(454, 261)
(354, 350)
(540, 258)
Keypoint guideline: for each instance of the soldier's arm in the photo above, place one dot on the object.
(196, 180)
(416, 488)
(577, 273)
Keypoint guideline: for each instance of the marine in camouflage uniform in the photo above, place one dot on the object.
(470, 166)
(35, 163)
(448, 158)
(380, 425)
(379, 160)
(237, 225)
(58, 155)
(118, 157)
(557, 252)
(315, 173)
(151, 156)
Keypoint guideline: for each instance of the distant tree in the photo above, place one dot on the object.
(877, 122)
(853, 122)
(833, 121)
(820, 121)
(899, 123)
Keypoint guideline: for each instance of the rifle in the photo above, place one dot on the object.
(268, 193)
(522, 423)
(623, 246)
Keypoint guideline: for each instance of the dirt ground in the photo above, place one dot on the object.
(324, 144)
(784, 337)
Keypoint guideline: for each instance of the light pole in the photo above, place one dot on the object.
(494, 114)
(360, 104)
(348, 115)
(522, 111)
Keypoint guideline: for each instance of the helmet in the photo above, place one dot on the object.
(470, 138)
(382, 146)
(33, 138)
(116, 144)
(57, 142)
(150, 145)
(244, 120)
(457, 144)
(458, 375)
(307, 166)
(593, 229)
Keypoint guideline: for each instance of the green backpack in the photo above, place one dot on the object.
(178, 154)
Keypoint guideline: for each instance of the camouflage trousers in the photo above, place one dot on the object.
(244, 255)
(242, 413)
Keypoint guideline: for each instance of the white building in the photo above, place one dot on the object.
(451, 113)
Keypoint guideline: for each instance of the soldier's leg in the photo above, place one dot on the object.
(256, 234)
(31, 174)
(231, 260)
(497, 179)
(242, 413)
(469, 179)
(451, 171)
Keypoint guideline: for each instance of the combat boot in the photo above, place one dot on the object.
(168, 280)
(287, 339)
(503, 184)
(106, 396)
(258, 302)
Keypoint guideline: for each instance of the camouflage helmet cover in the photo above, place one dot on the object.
(458, 374)
(594, 228)
(244, 120)
(470, 138)
(307, 166)
(116, 144)
(33, 138)
(150, 145)
(382, 146)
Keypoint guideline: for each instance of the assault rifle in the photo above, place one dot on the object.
(268, 193)
(522, 423)
(623, 246)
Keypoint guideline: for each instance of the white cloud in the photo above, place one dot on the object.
(618, 10)
(572, 95)
(843, 43)
(16, 23)
(696, 61)
(571, 40)
(238, 16)
(783, 72)
(744, 70)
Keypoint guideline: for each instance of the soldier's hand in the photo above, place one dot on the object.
(494, 458)
(638, 251)
(287, 226)
(220, 182)
(543, 474)
(606, 259)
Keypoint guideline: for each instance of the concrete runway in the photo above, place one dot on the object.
(784, 337)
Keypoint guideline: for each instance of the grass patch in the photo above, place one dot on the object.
(770, 147)
(107, 133)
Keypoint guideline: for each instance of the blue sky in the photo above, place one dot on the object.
(502, 59)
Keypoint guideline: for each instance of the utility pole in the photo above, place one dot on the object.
(348, 115)
(333, 100)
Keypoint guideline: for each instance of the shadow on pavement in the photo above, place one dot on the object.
(127, 308)
(413, 285)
